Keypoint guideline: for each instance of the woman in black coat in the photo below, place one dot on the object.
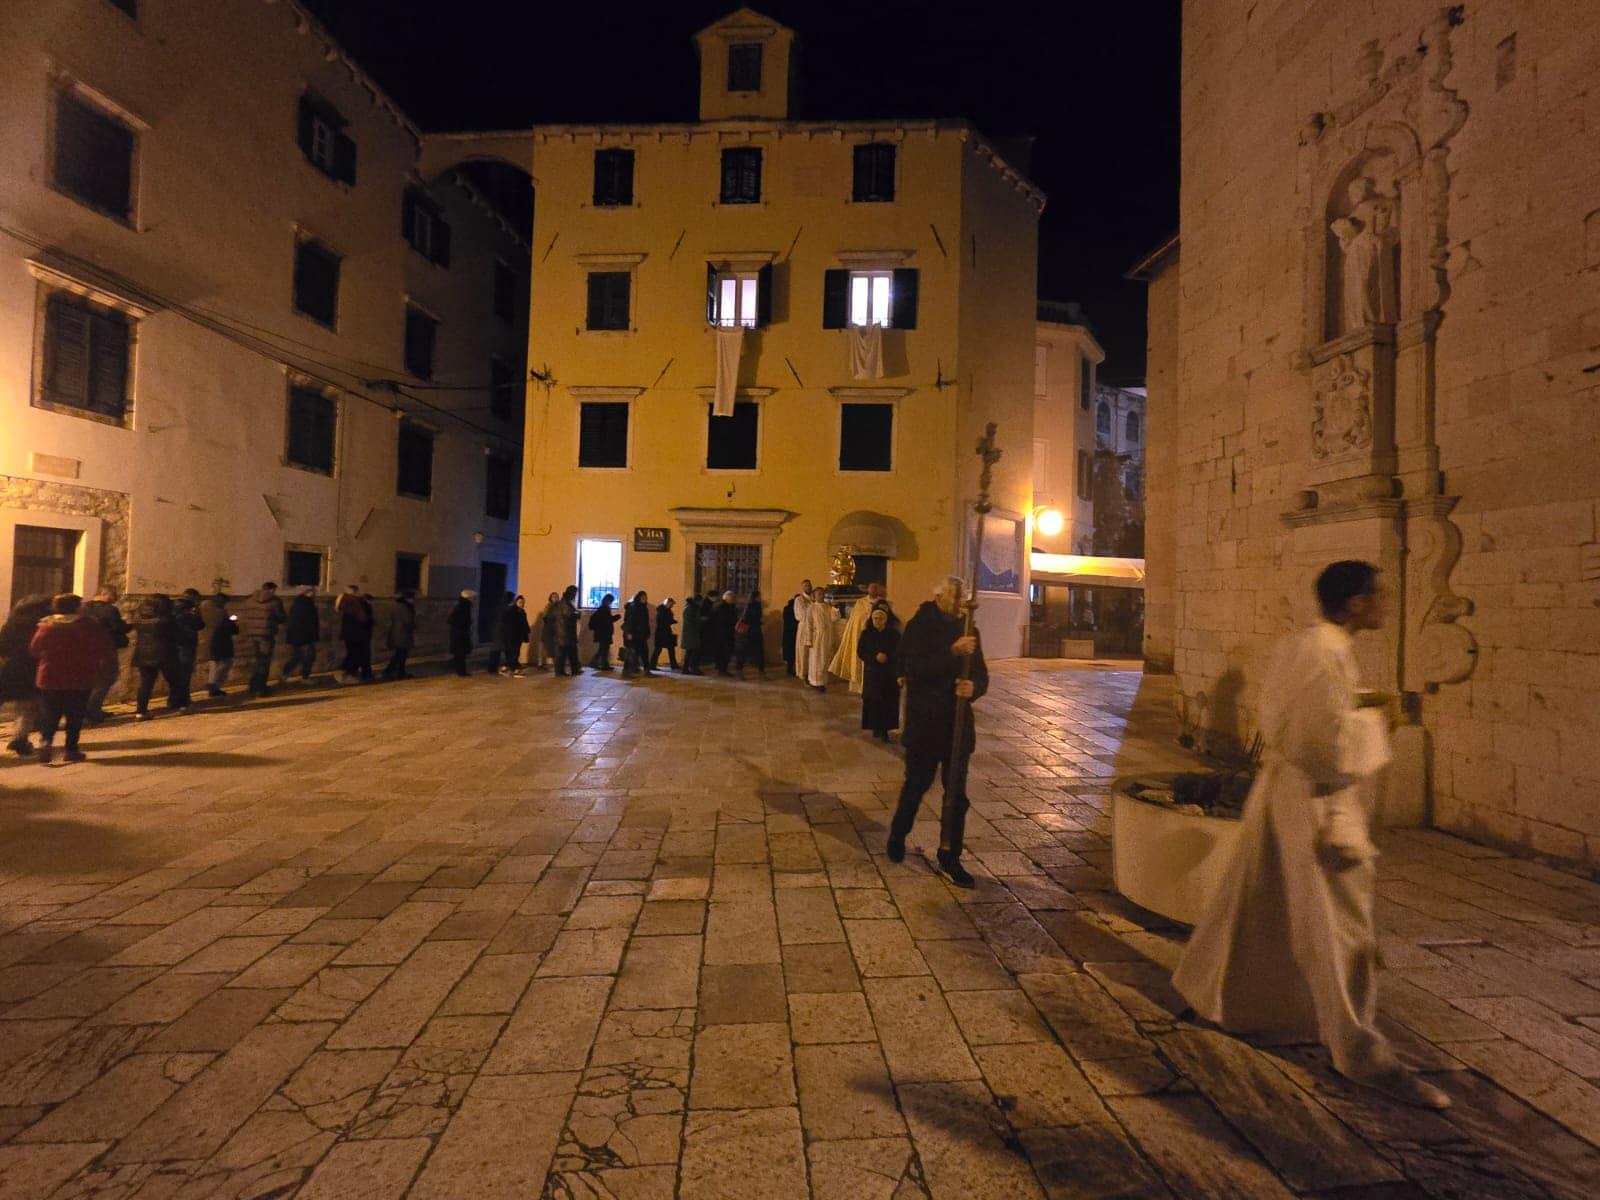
(460, 622)
(666, 640)
(155, 654)
(879, 651)
(512, 634)
(19, 670)
(602, 624)
(750, 644)
(636, 635)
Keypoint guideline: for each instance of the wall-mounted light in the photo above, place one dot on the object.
(1048, 521)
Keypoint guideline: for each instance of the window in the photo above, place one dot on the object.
(316, 282)
(313, 423)
(497, 486)
(502, 390)
(1102, 421)
(505, 291)
(603, 434)
(131, 7)
(1041, 471)
(1041, 357)
(408, 573)
(1130, 427)
(866, 437)
(741, 175)
(613, 178)
(887, 298)
(422, 332)
(599, 570)
(1085, 475)
(608, 299)
(414, 476)
(744, 67)
(874, 173)
(86, 356)
(93, 156)
(1085, 383)
(739, 297)
(302, 566)
(323, 140)
(423, 226)
(731, 567)
(731, 441)
(44, 561)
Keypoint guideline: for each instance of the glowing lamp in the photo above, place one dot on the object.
(1049, 522)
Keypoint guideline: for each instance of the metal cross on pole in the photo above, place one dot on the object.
(990, 454)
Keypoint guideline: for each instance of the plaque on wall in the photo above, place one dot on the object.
(649, 539)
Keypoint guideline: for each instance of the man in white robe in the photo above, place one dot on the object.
(802, 632)
(1288, 944)
(820, 621)
(846, 662)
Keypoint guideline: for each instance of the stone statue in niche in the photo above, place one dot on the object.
(1367, 236)
(1341, 408)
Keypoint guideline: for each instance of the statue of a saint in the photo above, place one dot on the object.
(1366, 278)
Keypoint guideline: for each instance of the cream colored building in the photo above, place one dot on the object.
(1386, 327)
(652, 241)
(213, 243)
(1066, 356)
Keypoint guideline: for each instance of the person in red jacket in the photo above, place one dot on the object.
(71, 649)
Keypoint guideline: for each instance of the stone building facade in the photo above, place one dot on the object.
(1386, 331)
(241, 335)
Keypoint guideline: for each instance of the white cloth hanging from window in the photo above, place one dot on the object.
(866, 351)
(730, 347)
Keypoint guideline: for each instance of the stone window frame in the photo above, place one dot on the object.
(892, 396)
(50, 281)
(603, 395)
(752, 395)
(295, 380)
(86, 569)
(306, 548)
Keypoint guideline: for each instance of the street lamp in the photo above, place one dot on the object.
(1048, 521)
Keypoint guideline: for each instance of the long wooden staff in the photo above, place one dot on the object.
(990, 454)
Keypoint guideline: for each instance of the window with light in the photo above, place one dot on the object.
(599, 570)
(869, 297)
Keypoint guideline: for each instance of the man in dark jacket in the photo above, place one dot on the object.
(221, 628)
(402, 636)
(260, 616)
(18, 670)
(933, 651)
(103, 609)
(303, 632)
(723, 619)
(691, 635)
(188, 624)
(791, 629)
(460, 622)
(666, 639)
(567, 634)
(636, 635)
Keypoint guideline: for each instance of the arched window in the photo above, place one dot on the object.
(1102, 419)
(1131, 431)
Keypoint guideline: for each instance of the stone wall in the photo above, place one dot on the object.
(1388, 331)
(1161, 368)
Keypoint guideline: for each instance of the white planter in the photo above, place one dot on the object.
(1168, 861)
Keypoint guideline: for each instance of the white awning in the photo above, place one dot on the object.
(1086, 570)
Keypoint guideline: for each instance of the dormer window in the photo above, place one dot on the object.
(744, 67)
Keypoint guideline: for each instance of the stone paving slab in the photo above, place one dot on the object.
(538, 937)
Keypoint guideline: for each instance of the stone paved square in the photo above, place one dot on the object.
(546, 938)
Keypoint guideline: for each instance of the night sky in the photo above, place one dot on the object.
(1095, 83)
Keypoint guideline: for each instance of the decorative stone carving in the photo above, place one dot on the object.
(1437, 650)
(1341, 408)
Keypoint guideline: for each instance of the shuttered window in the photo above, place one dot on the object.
(744, 67)
(414, 476)
(866, 437)
(874, 173)
(85, 356)
(608, 299)
(613, 178)
(313, 424)
(603, 434)
(741, 175)
(732, 442)
(424, 227)
(322, 138)
(887, 298)
(316, 282)
(422, 333)
(93, 159)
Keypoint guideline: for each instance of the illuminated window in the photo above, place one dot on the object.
(886, 298)
(599, 570)
(869, 297)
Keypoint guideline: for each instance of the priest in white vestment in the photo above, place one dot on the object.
(1288, 944)
(802, 632)
(846, 663)
(819, 637)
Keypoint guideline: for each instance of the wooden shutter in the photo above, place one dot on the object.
(597, 300)
(903, 299)
(108, 363)
(835, 299)
(408, 216)
(764, 297)
(617, 306)
(308, 115)
(441, 241)
(66, 350)
(344, 158)
(711, 294)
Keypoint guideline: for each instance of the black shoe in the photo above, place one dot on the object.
(950, 866)
(73, 756)
(20, 748)
(895, 849)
